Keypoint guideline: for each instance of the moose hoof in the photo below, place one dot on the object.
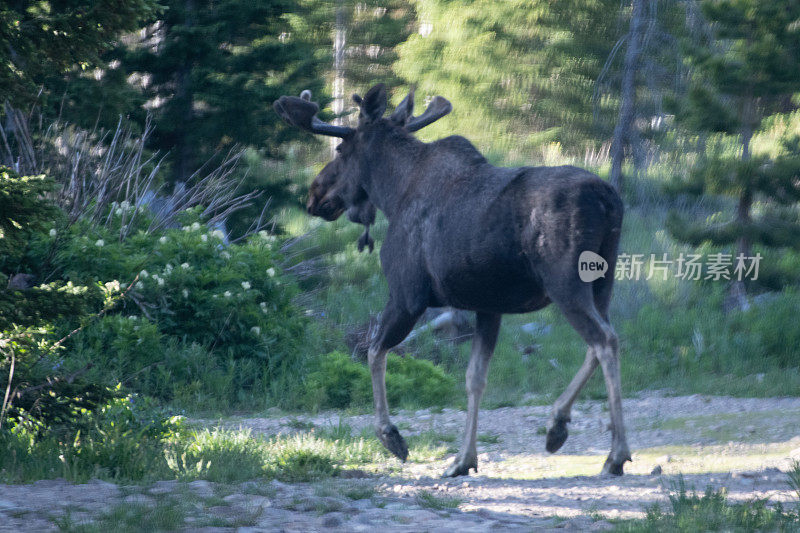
(556, 434)
(461, 468)
(393, 441)
(613, 467)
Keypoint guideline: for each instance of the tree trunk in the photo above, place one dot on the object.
(184, 100)
(737, 294)
(339, 42)
(627, 111)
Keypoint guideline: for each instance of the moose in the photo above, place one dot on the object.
(466, 234)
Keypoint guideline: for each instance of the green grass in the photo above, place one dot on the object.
(429, 500)
(219, 455)
(488, 438)
(166, 515)
(690, 512)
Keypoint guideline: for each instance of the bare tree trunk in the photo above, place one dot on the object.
(339, 42)
(627, 112)
(184, 99)
(738, 295)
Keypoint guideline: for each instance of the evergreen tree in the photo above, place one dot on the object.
(40, 39)
(211, 70)
(748, 74)
(519, 73)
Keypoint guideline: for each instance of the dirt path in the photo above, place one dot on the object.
(744, 445)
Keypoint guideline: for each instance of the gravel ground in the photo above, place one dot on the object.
(744, 445)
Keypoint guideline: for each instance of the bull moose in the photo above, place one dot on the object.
(467, 234)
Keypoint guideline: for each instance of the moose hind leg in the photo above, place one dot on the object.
(562, 408)
(603, 345)
(487, 328)
(394, 326)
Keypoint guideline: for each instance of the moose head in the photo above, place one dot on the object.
(340, 186)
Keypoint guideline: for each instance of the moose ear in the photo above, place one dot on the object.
(404, 110)
(374, 104)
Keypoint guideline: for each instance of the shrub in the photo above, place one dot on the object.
(340, 382)
(192, 292)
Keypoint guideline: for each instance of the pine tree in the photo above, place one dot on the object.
(41, 39)
(519, 73)
(211, 70)
(748, 74)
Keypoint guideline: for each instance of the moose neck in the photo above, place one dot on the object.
(394, 155)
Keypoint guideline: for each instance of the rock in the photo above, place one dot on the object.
(656, 471)
(6, 505)
(202, 488)
(601, 525)
(251, 502)
(536, 328)
(163, 487)
(105, 486)
(333, 520)
(138, 499)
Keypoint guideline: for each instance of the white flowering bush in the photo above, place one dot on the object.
(229, 307)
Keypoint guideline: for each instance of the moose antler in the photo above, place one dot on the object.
(302, 113)
(438, 108)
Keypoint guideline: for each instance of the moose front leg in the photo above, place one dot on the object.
(486, 329)
(395, 325)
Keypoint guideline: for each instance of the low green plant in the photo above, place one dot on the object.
(711, 511)
(432, 501)
(340, 382)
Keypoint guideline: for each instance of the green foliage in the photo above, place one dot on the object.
(340, 382)
(439, 503)
(201, 314)
(25, 211)
(129, 439)
(41, 39)
(218, 68)
(711, 511)
(512, 68)
(416, 382)
(122, 438)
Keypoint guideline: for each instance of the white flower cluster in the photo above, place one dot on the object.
(265, 235)
(122, 207)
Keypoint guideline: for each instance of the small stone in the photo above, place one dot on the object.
(6, 505)
(333, 520)
(656, 471)
(202, 488)
(601, 525)
(163, 487)
(138, 499)
(105, 486)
